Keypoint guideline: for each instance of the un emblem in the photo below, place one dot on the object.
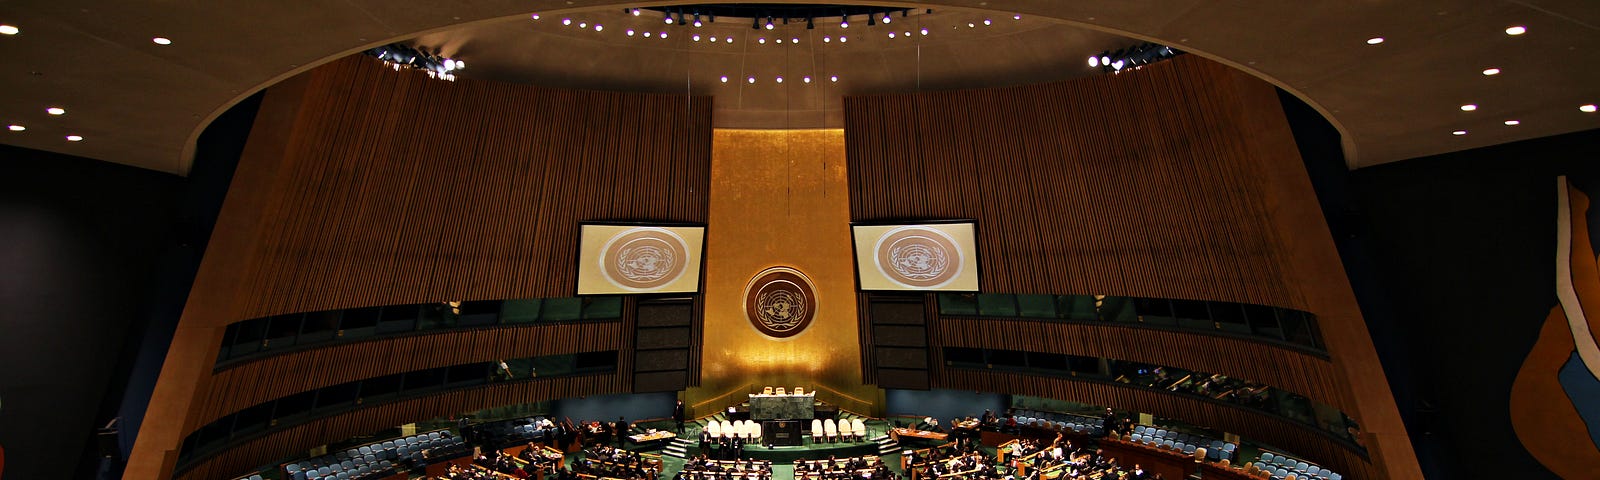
(644, 258)
(918, 257)
(780, 302)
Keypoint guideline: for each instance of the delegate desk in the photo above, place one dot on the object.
(783, 407)
(900, 434)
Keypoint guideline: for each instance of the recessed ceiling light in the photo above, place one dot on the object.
(807, 79)
(535, 16)
(695, 38)
(762, 40)
(630, 32)
(599, 27)
(1459, 132)
(1513, 123)
(162, 41)
(1516, 30)
(780, 79)
(74, 138)
(988, 22)
(724, 79)
(17, 128)
(566, 21)
(663, 35)
(1491, 71)
(1469, 107)
(9, 30)
(891, 34)
(1586, 108)
(794, 40)
(55, 111)
(834, 78)
(1374, 40)
(970, 25)
(842, 39)
(752, 79)
(1016, 17)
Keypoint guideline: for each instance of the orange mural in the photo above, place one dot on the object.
(1552, 400)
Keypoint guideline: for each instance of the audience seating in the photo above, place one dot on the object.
(1158, 437)
(375, 460)
(1280, 466)
(1087, 425)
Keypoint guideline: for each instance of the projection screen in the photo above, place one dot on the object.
(634, 259)
(920, 257)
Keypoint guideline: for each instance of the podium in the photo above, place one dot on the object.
(781, 432)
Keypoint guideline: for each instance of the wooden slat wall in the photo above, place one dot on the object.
(1279, 367)
(1139, 184)
(397, 188)
(297, 440)
(1252, 426)
(246, 385)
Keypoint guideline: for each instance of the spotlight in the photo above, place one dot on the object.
(583, 24)
(842, 39)
(566, 21)
(1469, 107)
(535, 16)
(646, 34)
(872, 20)
(924, 30)
(635, 12)
(807, 79)
(891, 34)
(970, 25)
(834, 78)
(663, 35)
(599, 27)
(987, 22)
(730, 39)
(780, 79)
(697, 20)
(770, 26)
(762, 40)
(1094, 61)
(794, 40)
(844, 21)
(1016, 17)
(713, 39)
(755, 23)
(724, 79)
(1374, 40)
(810, 25)
(827, 39)
(667, 18)
(751, 79)
(696, 37)
(630, 32)
(886, 19)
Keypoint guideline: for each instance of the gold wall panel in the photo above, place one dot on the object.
(780, 198)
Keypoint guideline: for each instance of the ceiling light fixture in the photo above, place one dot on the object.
(1589, 108)
(834, 78)
(1016, 17)
(844, 21)
(535, 16)
(794, 40)
(599, 27)
(730, 39)
(1459, 133)
(666, 18)
(1513, 123)
(807, 79)
(162, 41)
(74, 138)
(697, 23)
(1374, 40)
(16, 128)
(842, 39)
(630, 32)
(987, 22)
(886, 19)
(1515, 30)
(780, 79)
(924, 30)
(724, 79)
(891, 34)
(635, 12)
(1491, 71)
(713, 39)
(695, 38)
(770, 26)
(827, 39)
(1469, 107)
(752, 79)
(9, 30)
(762, 40)
(646, 34)
(56, 111)
(810, 24)
(663, 34)
(566, 21)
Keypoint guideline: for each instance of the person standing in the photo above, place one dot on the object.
(678, 416)
(620, 430)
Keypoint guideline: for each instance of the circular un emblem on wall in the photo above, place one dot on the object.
(918, 257)
(644, 258)
(780, 302)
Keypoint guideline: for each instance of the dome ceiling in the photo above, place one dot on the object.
(740, 62)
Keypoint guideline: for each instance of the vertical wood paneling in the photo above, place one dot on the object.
(295, 441)
(397, 188)
(1279, 367)
(1140, 184)
(1252, 426)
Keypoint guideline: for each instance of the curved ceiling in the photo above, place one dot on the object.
(143, 104)
(787, 76)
